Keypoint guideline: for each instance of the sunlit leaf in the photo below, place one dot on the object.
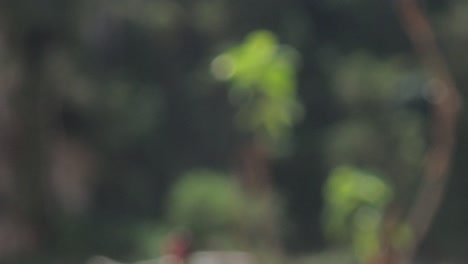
(263, 84)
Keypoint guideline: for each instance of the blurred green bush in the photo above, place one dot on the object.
(263, 87)
(354, 205)
(219, 214)
(210, 204)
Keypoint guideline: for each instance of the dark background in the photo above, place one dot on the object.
(106, 104)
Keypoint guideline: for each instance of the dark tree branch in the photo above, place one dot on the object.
(445, 110)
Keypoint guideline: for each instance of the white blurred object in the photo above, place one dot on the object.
(166, 259)
(221, 257)
(200, 257)
(101, 260)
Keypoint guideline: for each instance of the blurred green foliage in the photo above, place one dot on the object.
(263, 84)
(381, 131)
(354, 205)
(209, 204)
(362, 80)
(219, 214)
(141, 86)
(151, 240)
(386, 114)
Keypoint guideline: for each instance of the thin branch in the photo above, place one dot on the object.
(446, 107)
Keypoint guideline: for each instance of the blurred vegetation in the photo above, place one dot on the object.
(263, 84)
(354, 207)
(210, 205)
(123, 121)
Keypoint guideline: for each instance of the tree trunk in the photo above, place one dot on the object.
(32, 139)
